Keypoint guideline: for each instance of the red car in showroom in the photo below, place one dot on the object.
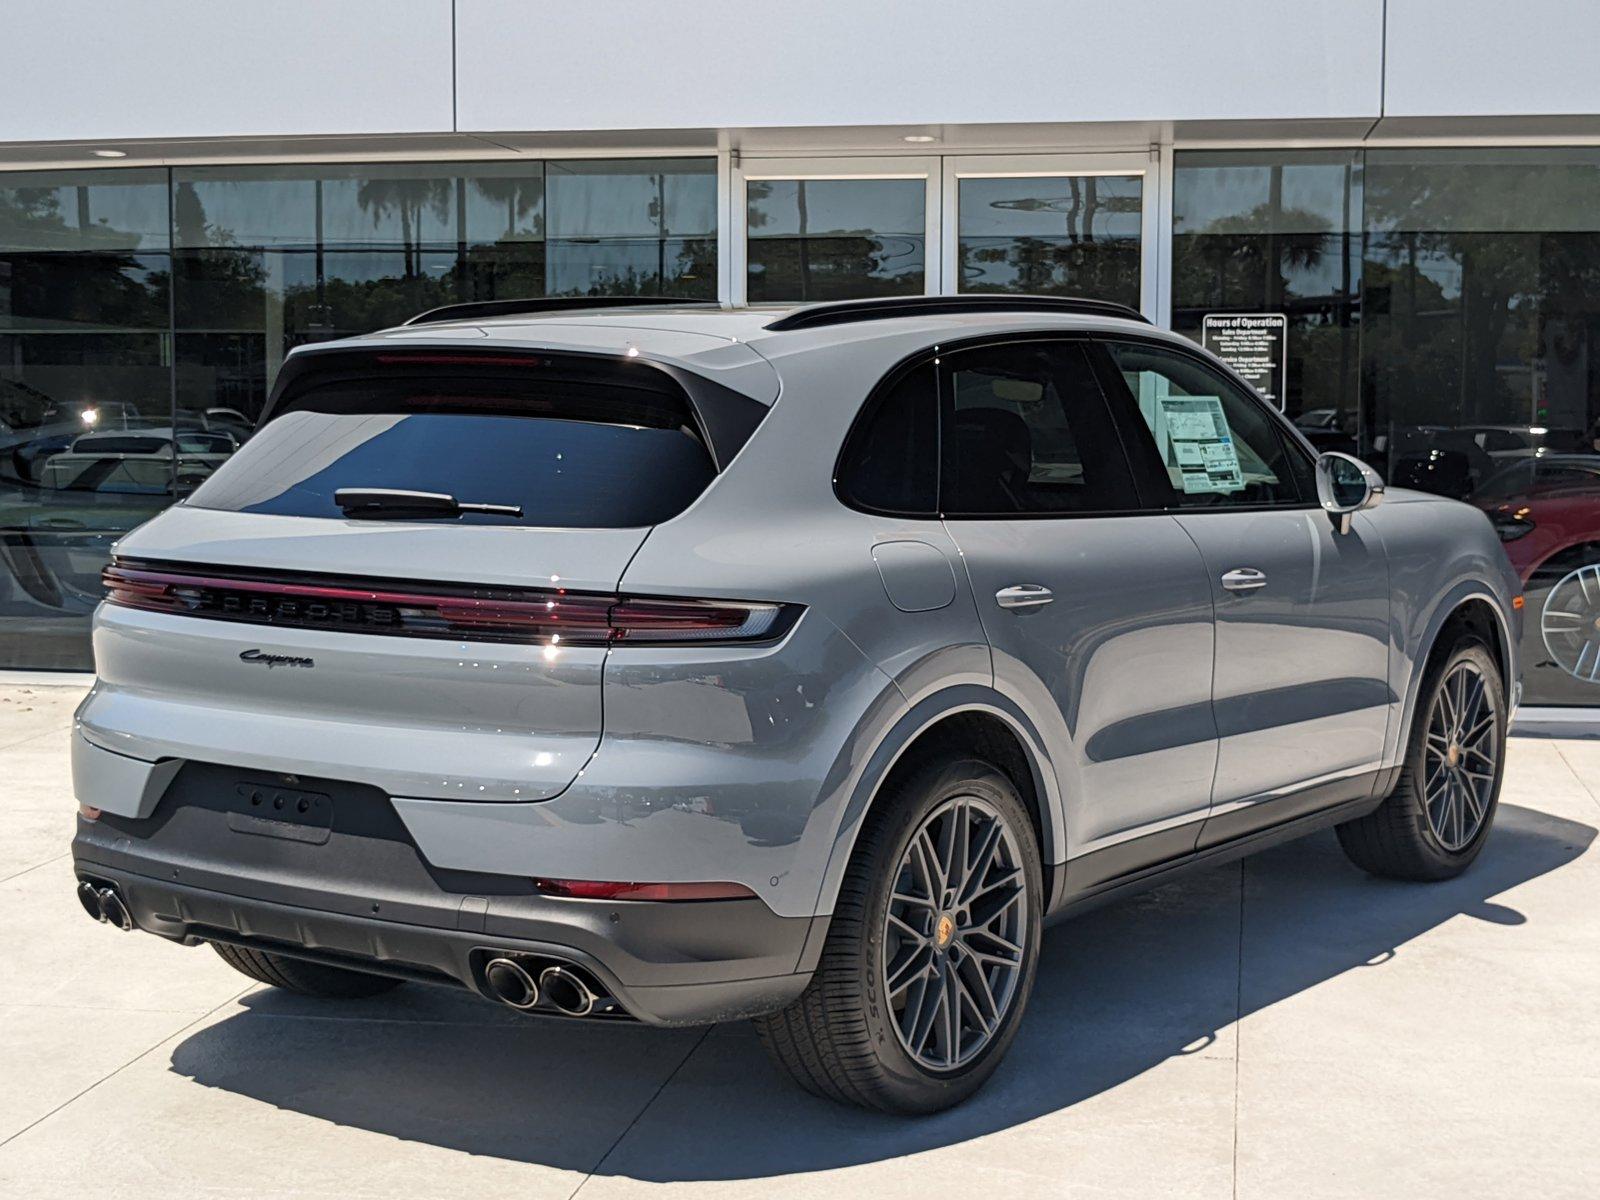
(1546, 509)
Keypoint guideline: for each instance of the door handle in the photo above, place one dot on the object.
(1024, 595)
(1244, 579)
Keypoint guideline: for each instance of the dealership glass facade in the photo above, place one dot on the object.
(833, 239)
(1436, 311)
(144, 315)
(1443, 321)
(1064, 235)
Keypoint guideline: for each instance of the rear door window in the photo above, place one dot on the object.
(568, 452)
(1028, 434)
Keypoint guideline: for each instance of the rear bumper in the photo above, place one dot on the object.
(429, 954)
(364, 897)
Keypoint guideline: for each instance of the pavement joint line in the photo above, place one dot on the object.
(36, 867)
(1576, 774)
(6, 1005)
(654, 1096)
(34, 737)
(145, 1053)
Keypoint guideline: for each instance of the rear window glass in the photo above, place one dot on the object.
(577, 455)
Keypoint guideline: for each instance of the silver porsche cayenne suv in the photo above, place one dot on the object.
(676, 664)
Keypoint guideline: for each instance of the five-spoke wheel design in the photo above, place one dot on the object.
(1570, 623)
(1460, 757)
(954, 933)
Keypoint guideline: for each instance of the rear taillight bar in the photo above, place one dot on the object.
(553, 617)
(595, 889)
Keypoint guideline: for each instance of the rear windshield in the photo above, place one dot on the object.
(577, 455)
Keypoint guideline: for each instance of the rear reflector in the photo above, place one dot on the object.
(594, 889)
(549, 617)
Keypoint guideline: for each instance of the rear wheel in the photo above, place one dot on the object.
(1437, 818)
(931, 951)
(301, 977)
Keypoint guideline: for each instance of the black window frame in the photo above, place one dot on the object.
(1147, 462)
(945, 411)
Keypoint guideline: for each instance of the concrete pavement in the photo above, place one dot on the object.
(1288, 1028)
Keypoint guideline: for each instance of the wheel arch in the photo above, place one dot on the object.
(1471, 607)
(1554, 561)
(968, 718)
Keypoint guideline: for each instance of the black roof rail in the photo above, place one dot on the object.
(542, 304)
(814, 316)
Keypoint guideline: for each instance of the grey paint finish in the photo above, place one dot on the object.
(757, 764)
(716, 765)
(1118, 677)
(1301, 682)
(917, 576)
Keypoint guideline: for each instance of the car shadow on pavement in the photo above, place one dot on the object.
(1120, 990)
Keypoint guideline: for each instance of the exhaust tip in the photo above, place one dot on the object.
(567, 991)
(509, 983)
(89, 897)
(114, 910)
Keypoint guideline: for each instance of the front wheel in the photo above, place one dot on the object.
(1437, 818)
(931, 952)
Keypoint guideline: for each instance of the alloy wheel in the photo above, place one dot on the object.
(1570, 623)
(954, 934)
(1460, 758)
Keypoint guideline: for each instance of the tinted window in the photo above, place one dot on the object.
(573, 455)
(891, 460)
(1218, 445)
(1028, 432)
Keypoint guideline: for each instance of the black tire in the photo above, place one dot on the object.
(840, 1039)
(301, 977)
(1398, 840)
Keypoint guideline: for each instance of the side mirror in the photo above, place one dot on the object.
(1346, 486)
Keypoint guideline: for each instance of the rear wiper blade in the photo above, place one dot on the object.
(398, 502)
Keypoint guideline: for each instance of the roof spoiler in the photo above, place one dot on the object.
(848, 312)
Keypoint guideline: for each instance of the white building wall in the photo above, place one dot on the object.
(99, 70)
(1450, 58)
(621, 64)
(166, 70)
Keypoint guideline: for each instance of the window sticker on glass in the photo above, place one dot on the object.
(1198, 444)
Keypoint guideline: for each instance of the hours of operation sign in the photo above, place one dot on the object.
(1256, 345)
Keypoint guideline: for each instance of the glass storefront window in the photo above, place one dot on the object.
(632, 229)
(1278, 232)
(144, 315)
(836, 239)
(86, 438)
(1069, 235)
(1481, 365)
(1444, 323)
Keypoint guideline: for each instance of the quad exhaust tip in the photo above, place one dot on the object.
(509, 982)
(89, 897)
(116, 912)
(527, 983)
(567, 991)
(104, 905)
